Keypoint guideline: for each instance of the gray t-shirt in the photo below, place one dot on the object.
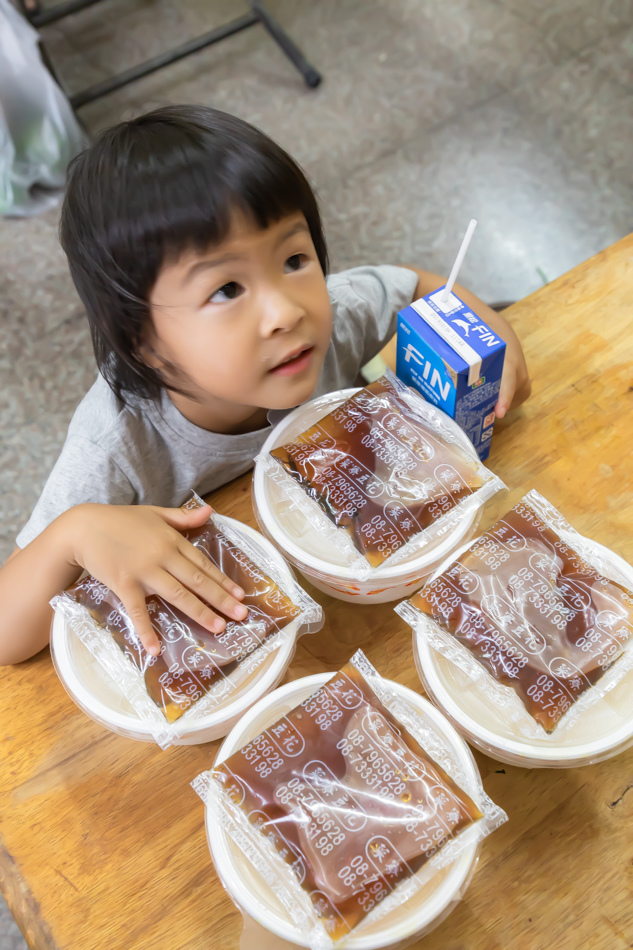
(145, 452)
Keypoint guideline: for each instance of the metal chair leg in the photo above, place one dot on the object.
(311, 76)
(258, 14)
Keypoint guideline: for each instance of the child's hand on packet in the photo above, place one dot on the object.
(137, 550)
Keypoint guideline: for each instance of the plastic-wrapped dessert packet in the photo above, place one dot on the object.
(348, 804)
(384, 474)
(196, 671)
(538, 616)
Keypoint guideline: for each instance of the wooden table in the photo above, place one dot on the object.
(103, 844)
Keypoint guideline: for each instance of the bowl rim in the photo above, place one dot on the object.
(218, 839)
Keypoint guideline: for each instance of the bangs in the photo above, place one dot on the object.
(180, 188)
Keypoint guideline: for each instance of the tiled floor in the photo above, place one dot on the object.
(517, 112)
(10, 937)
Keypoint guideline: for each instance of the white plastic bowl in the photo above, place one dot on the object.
(99, 696)
(319, 559)
(602, 731)
(419, 915)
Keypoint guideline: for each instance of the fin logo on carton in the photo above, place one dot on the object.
(462, 323)
(435, 382)
(485, 335)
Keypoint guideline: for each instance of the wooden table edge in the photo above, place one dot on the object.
(22, 904)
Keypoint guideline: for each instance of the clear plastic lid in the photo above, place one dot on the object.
(348, 803)
(525, 638)
(420, 465)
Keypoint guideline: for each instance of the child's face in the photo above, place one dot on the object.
(244, 325)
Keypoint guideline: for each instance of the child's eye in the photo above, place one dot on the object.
(226, 292)
(295, 262)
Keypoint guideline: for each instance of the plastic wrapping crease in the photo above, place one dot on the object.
(505, 697)
(414, 408)
(279, 875)
(129, 679)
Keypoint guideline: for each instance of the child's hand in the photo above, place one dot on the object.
(136, 551)
(515, 379)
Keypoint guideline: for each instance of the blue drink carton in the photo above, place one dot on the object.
(453, 358)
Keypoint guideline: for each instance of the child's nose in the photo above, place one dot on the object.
(280, 314)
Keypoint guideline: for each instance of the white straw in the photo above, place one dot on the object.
(461, 254)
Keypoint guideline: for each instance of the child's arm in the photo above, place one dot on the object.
(135, 550)
(515, 381)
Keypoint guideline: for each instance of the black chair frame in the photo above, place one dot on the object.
(258, 14)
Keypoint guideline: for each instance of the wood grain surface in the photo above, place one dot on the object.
(102, 843)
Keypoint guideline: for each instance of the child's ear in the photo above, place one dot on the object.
(149, 356)
(149, 349)
(170, 375)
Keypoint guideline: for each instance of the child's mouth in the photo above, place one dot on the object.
(296, 362)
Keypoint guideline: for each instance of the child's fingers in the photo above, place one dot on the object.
(506, 391)
(133, 599)
(181, 518)
(201, 581)
(175, 593)
(202, 563)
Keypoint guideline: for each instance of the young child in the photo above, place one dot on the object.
(196, 246)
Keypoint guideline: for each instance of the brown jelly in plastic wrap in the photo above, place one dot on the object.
(348, 798)
(378, 471)
(536, 615)
(192, 659)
